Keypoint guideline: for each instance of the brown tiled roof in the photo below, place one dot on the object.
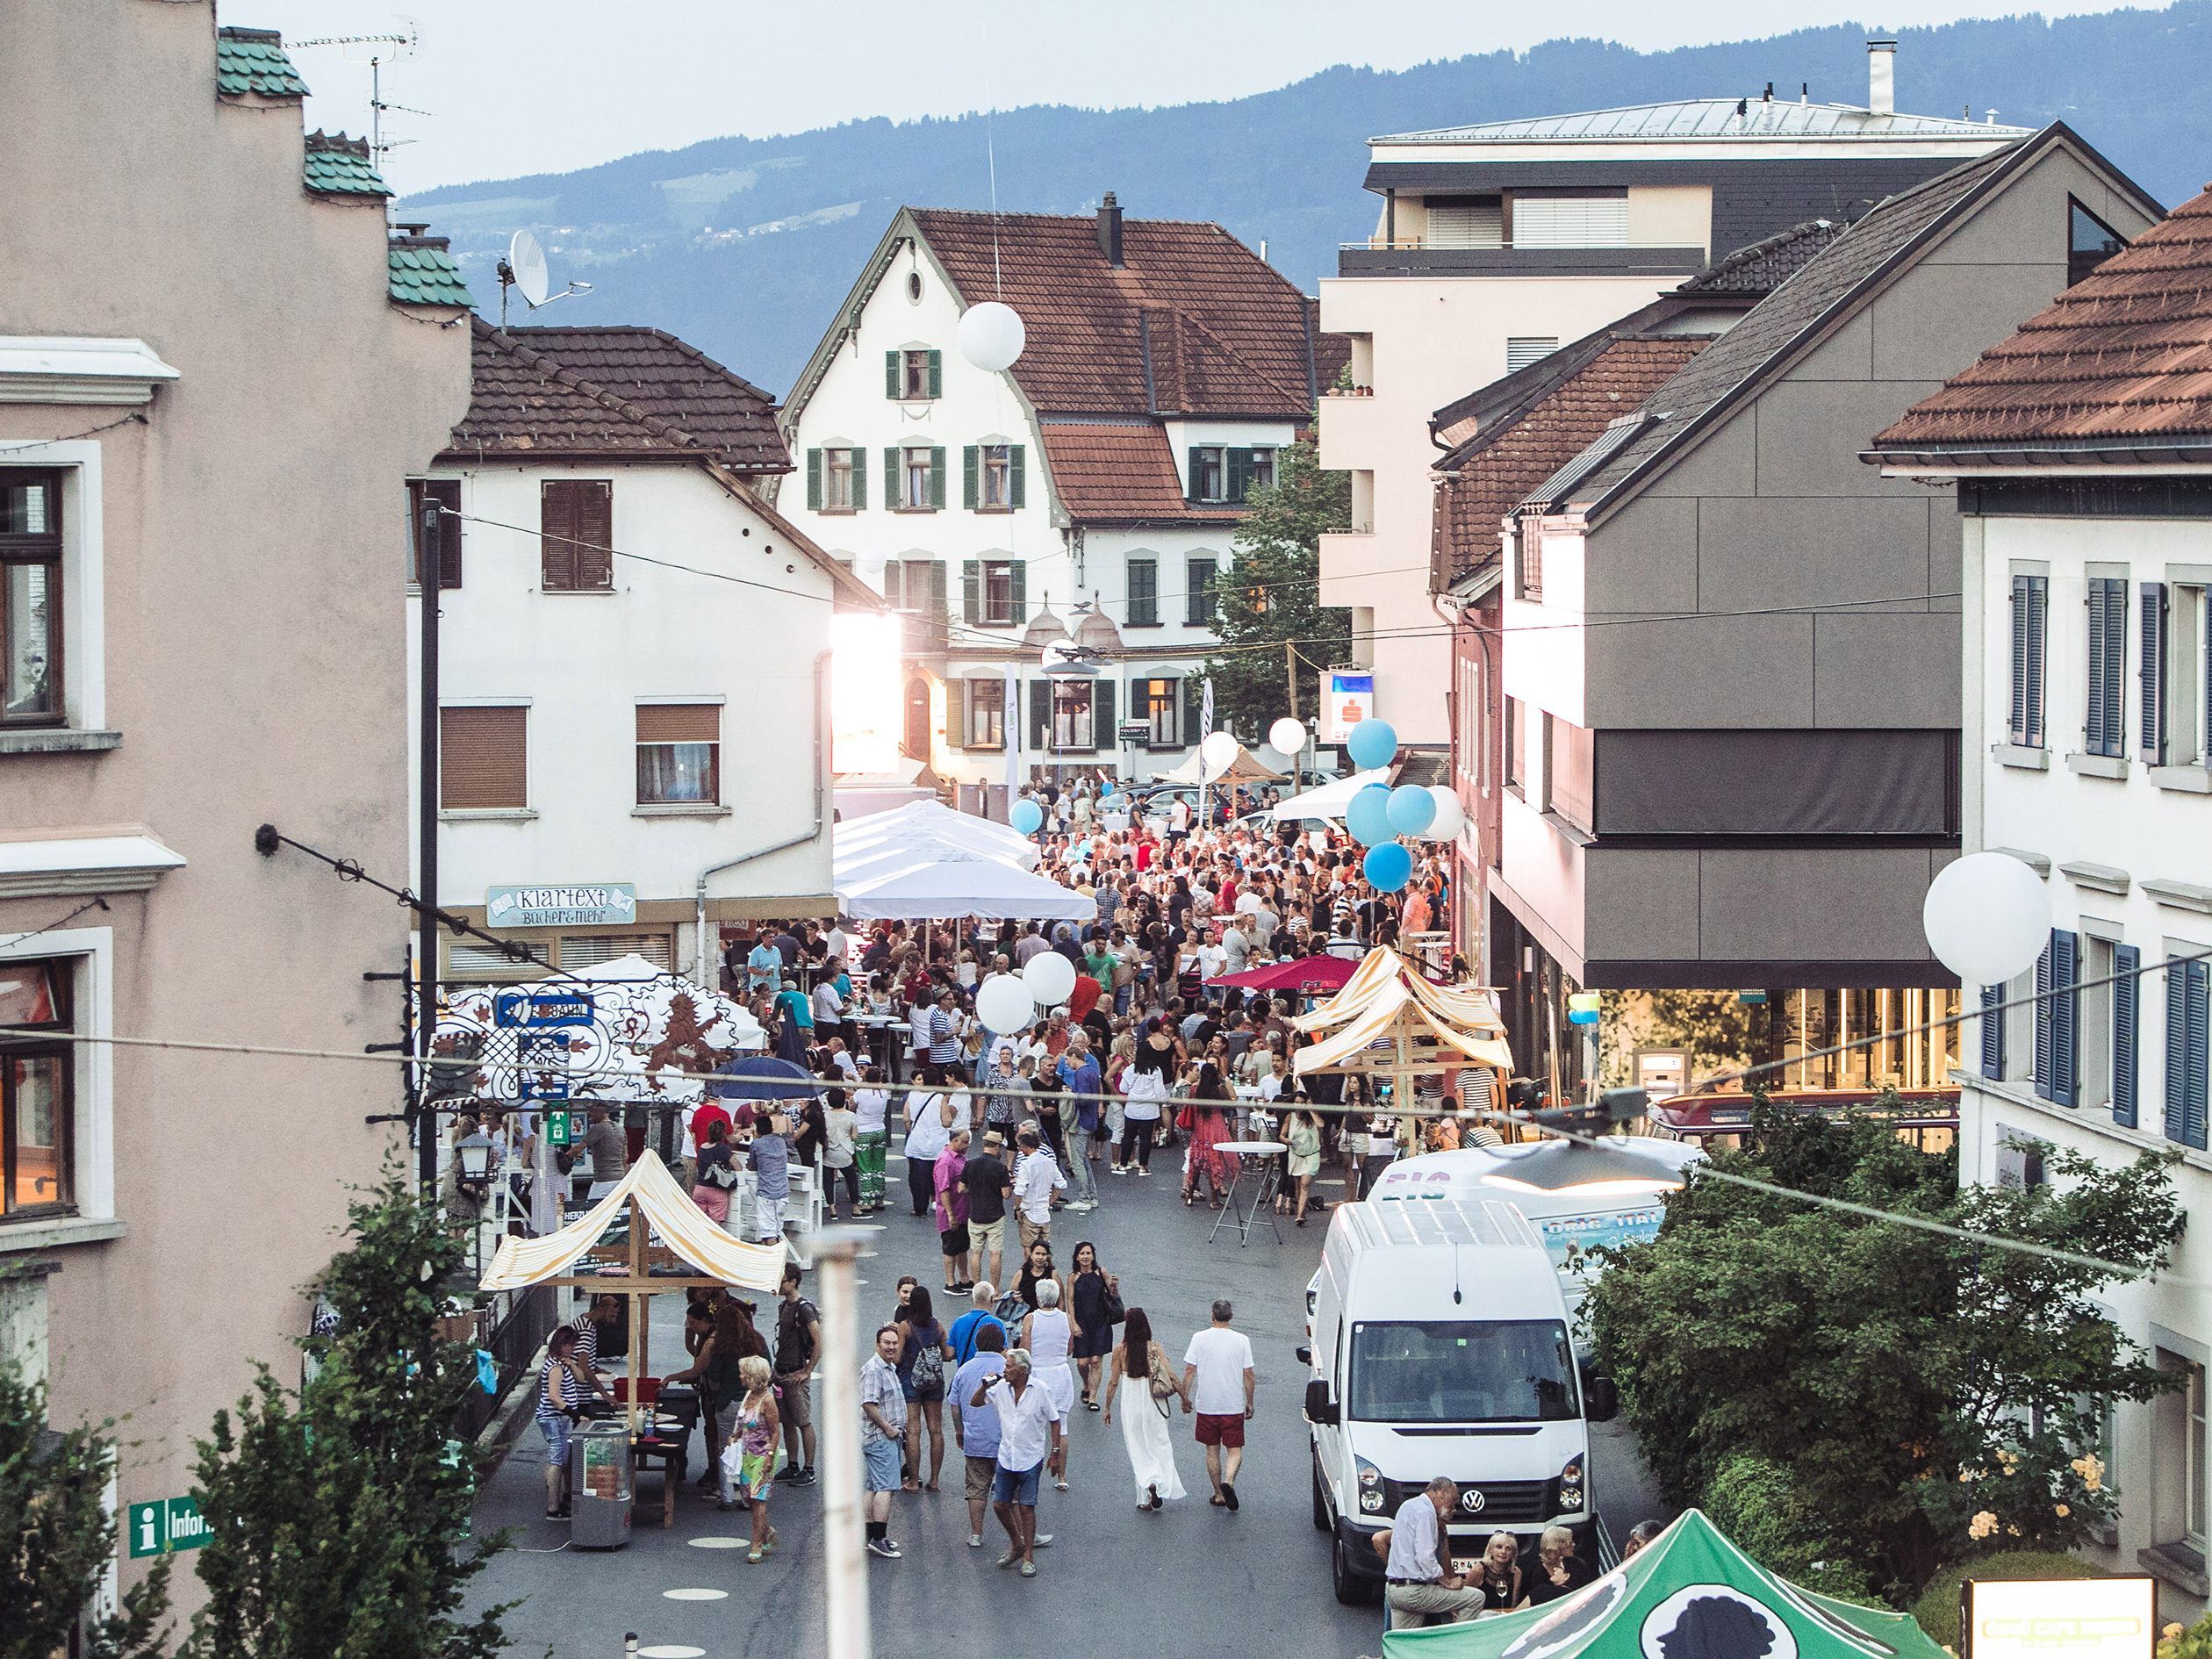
(622, 392)
(1121, 473)
(1485, 478)
(2122, 360)
(1192, 322)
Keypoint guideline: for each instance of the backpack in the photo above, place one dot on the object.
(928, 1367)
(794, 1344)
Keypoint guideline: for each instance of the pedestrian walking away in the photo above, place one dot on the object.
(1218, 1385)
(976, 1427)
(1139, 1385)
(1048, 1337)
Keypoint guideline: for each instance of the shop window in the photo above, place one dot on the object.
(678, 754)
(38, 1101)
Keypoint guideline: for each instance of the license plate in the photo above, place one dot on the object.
(1462, 1565)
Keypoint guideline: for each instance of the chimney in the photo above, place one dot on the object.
(1109, 228)
(1881, 76)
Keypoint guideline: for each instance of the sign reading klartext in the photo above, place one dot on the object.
(586, 904)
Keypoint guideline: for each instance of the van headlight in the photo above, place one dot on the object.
(1369, 1480)
(1570, 1485)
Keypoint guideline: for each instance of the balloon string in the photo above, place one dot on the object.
(990, 156)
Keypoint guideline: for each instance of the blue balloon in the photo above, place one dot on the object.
(1412, 809)
(1373, 742)
(1105, 788)
(1387, 868)
(1027, 817)
(1367, 819)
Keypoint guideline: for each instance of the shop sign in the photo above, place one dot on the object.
(2112, 1618)
(541, 1009)
(164, 1524)
(585, 905)
(1347, 698)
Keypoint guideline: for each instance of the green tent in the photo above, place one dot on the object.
(1689, 1594)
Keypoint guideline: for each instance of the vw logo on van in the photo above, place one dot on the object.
(1472, 1500)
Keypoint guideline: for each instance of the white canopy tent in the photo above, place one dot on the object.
(1330, 800)
(935, 887)
(1246, 768)
(927, 823)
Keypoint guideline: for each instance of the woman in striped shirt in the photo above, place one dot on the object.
(559, 1395)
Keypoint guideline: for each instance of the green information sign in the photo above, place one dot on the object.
(164, 1524)
(556, 1129)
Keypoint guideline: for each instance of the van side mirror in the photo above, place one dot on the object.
(1319, 1408)
(1601, 1399)
(1304, 1353)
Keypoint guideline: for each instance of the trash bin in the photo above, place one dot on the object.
(601, 1479)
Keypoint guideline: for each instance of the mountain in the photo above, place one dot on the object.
(745, 247)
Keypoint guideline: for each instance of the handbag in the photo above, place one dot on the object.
(1111, 1307)
(1162, 1385)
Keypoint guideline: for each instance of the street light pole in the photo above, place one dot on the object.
(845, 1574)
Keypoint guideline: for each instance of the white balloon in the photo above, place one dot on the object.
(1003, 1004)
(1218, 751)
(1287, 737)
(991, 335)
(1987, 917)
(1050, 978)
(1450, 818)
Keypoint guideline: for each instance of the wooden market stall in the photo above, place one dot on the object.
(1390, 1023)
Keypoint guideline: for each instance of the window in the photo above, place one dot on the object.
(913, 375)
(2104, 725)
(1461, 1371)
(1465, 221)
(994, 593)
(576, 535)
(1200, 612)
(446, 493)
(991, 476)
(1259, 472)
(578, 951)
(2058, 1019)
(1528, 562)
(2030, 609)
(985, 705)
(1570, 772)
(2188, 703)
(1209, 473)
(1228, 474)
(2094, 1000)
(914, 584)
(2152, 677)
(38, 1106)
(484, 758)
(1523, 350)
(678, 754)
(1516, 756)
(1571, 221)
(1072, 710)
(837, 480)
(2187, 986)
(31, 599)
(914, 477)
(1158, 704)
(2090, 242)
(2179, 1455)
(1143, 593)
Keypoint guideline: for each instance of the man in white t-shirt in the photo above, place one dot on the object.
(1036, 1177)
(1219, 1386)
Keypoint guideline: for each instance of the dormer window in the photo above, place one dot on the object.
(913, 374)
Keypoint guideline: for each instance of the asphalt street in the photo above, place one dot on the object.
(1189, 1578)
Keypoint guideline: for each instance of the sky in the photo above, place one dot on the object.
(508, 87)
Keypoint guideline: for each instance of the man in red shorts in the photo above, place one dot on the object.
(1217, 1385)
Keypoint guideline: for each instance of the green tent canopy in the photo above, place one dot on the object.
(1688, 1594)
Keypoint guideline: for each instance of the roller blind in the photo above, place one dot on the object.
(589, 949)
(484, 758)
(679, 722)
(1571, 221)
(1466, 225)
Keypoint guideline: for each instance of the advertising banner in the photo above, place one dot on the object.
(1347, 698)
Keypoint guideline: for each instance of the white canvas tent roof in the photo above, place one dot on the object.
(676, 1221)
(1246, 768)
(930, 823)
(1329, 800)
(931, 887)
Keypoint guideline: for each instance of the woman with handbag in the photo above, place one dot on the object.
(1096, 1305)
(754, 1447)
(1141, 1386)
(717, 1174)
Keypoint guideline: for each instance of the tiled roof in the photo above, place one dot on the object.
(1764, 266)
(612, 392)
(2121, 361)
(1483, 479)
(1710, 118)
(1120, 473)
(421, 272)
(339, 166)
(1192, 322)
(253, 60)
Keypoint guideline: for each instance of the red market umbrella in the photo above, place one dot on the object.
(1305, 974)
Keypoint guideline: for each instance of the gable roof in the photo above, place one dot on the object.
(612, 392)
(1735, 119)
(2119, 365)
(1120, 472)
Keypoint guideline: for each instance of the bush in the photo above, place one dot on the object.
(1755, 1502)
(1937, 1609)
(2195, 1642)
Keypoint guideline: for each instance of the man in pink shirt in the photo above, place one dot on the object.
(952, 1211)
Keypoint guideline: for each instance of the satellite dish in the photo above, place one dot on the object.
(527, 259)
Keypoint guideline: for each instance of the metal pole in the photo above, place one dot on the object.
(429, 570)
(845, 1575)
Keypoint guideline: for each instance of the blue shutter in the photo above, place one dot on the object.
(2153, 649)
(2198, 1007)
(2105, 723)
(2039, 621)
(2017, 729)
(2127, 991)
(2066, 1019)
(2044, 1024)
(2093, 713)
(1993, 1032)
(2177, 1048)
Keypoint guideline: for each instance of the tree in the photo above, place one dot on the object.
(1930, 1397)
(1718, 1028)
(58, 1537)
(1272, 597)
(339, 1512)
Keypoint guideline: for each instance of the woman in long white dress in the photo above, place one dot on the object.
(1138, 1361)
(1048, 1333)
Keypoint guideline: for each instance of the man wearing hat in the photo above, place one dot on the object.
(989, 1183)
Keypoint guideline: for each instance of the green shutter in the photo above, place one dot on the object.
(1190, 478)
(894, 585)
(936, 590)
(1193, 691)
(1199, 603)
(859, 477)
(971, 460)
(937, 469)
(1102, 715)
(891, 387)
(1015, 467)
(1240, 473)
(891, 496)
(1021, 592)
(813, 480)
(937, 374)
(1040, 715)
(970, 591)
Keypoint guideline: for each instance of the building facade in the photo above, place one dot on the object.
(1088, 494)
(634, 658)
(216, 370)
(2081, 449)
(1497, 243)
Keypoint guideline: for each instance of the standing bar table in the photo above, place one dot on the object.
(1264, 1159)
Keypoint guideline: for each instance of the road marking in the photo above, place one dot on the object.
(696, 1595)
(671, 1650)
(719, 1543)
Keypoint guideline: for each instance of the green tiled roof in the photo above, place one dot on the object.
(339, 166)
(253, 60)
(423, 273)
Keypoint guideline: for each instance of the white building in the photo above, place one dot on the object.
(1091, 490)
(1497, 243)
(635, 656)
(2082, 451)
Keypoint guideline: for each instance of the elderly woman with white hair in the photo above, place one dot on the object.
(1048, 1333)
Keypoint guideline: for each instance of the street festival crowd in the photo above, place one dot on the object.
(1146, 1071)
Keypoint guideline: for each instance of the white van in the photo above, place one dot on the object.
(1440, 1345)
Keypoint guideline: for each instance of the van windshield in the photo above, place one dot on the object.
(1462, 1371)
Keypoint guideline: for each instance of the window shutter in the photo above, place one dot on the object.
(956, 715)
(1018, 583)
(2153, 648)
(2045, 1023)
(1992, 1033)
(446, 493)
(557, 536)
(1144, 593)
(1192, 694)
(1190, 478)
(2187, 986)
(1017, 466)
(892, 496)
(1040, 693)
(2065, 1023)
(484, 759)
(813, 480)
(1199, 605)
(2038, 621)
(859, 459)
(679, 723)
(937, 374)
(1103, 716)
(595, 533)
(971, 460)
(891, 386)
(2127, 959)
(895, 583)
(2019, 727)
(2092, 723)
(1239, 474)
(970, 591)
(937, 591)
(936, 471)
(2106, 725)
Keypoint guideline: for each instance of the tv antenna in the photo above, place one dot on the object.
(404, 45)
(525, 268)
